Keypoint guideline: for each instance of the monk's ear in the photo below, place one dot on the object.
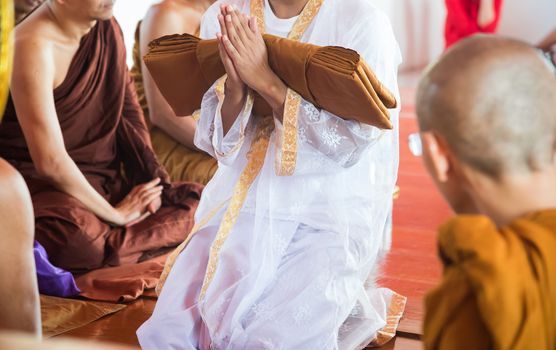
(436, 155)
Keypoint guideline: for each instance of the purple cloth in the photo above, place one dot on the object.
(53, 280)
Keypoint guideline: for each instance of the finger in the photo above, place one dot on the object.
(149, 198)
(254, 25)
(151, 183)
(222, 25)
(226, 60)
(238, 26)
(244, 20)
(149, 192)
(233, 35)
(230, 49)
(151, 207)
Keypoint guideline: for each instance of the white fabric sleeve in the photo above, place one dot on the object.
(209, 135)
(343, 141)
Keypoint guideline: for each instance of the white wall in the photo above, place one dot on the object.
(528, 20)
(128, 13)
(418, 24)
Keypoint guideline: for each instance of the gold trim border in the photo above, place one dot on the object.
(287, 159)
(395, 313)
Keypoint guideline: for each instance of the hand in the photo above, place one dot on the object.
(245, 46)
(235, 87)
(142, 201)
(486, 14)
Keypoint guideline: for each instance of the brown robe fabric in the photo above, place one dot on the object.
(105, 134)
(499, 285)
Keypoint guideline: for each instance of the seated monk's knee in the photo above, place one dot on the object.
(19, 295)
(72, 235)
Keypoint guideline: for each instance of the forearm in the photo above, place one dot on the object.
(181, 129)
(234, 100)
(487, 13)
(549, 41)
(486, 5)
(274, 91)
(68, 178)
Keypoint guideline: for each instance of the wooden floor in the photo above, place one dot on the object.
(411, 269)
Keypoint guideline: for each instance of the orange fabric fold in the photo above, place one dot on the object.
(499, 286)
(61, 315)
(123, 283)
(332, 78)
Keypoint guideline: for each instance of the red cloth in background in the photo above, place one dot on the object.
(462, 17)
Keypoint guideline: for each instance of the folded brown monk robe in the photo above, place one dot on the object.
(332, 78)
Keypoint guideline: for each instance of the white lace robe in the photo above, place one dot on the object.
(296, 271)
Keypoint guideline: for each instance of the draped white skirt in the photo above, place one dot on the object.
(292, 289)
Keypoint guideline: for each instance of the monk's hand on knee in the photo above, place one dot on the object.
(139, 203)
(245, 46)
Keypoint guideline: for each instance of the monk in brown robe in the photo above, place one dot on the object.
(487, 115)
(75, 131)
(172, 136)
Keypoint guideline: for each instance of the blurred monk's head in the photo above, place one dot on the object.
(91, 10)
(26, 6)
(487, 116)
(23, 7)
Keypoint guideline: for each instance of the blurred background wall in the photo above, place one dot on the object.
(418, 24)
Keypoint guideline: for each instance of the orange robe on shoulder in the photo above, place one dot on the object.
(499, 285)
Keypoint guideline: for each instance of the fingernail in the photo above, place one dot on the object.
(228, 18)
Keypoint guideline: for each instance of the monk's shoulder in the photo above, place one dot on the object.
(468, 237)
(169, 17)
(33, 48)
(35, 33)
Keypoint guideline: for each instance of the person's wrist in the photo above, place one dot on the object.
(235, 91)
(117, 217)
(274, 90)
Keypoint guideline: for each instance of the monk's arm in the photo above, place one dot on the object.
(19, 293)
(157, 23)
(32, 85)
(487, 13)
(549, 41)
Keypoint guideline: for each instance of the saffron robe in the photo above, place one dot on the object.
(499, 285)
(105, 134)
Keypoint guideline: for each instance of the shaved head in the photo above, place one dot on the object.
(494, 102)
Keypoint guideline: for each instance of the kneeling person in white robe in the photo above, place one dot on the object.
(289, 230)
